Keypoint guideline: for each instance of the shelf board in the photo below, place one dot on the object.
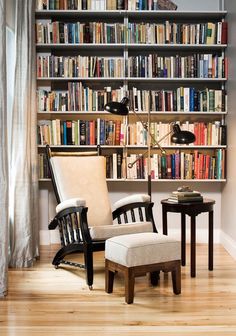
(135, 146)
(154, 181)
(82, 146)
(161, 79)
(131, 14)
(79, 13)
(50, 46)
(178, 113)
(120, 79)
(176, 181)
(71, 46)
(64, 113)
(132, 79)
(179, 146)
(171, 14)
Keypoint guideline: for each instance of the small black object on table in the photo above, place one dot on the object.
(191, 209)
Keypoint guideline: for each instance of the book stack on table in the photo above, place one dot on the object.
(185, 197)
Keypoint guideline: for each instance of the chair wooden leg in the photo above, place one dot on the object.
(176, 278)
(129, 285)
(109, 278)
(88, 258)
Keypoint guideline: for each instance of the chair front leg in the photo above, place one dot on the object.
(88, 260)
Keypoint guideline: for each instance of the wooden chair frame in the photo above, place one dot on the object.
(74, 234)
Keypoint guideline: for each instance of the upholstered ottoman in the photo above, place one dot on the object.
(137, 254)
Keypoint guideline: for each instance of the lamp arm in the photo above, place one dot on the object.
(163, 151)
(160, 140)
(156, 143)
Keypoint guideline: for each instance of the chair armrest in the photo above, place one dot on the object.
(72, 220)
(65, 208)
(136, 198)
(72, 202)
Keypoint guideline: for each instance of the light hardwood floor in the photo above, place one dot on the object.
(45, 301)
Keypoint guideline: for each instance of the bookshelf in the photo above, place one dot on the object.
(213, 80)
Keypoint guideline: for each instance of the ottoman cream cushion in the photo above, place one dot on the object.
(142, 249)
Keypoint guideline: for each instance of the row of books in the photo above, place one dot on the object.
(183, 99)
(76, 32)
(79, 66)
(80, 97)
(103, 5)
(178, 165)
(110, 132)
(43, 170)
(81, 132)
(114, 166)
(74, 4)
(146, 33)
(207, 134)
(152, 66)
(177, 33)
(191, 66)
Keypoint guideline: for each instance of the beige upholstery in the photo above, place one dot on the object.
(132, 199)
(72, 202)
(142, 249)
(84, 177)
(108, 231)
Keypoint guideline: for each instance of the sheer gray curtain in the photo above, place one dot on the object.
(3, 156)
(23, 160)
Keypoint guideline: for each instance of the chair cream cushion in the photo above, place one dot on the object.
(72, 202)
(84, 178)
(142, 249)
(108, 231)
(132, 199)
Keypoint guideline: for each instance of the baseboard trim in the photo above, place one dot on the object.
(201, 235)
(52, 237)
(47, 237)
(229, 244)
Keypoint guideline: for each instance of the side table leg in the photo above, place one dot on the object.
(210, 242)
(193, 246)
(164, 221)
(183, 239)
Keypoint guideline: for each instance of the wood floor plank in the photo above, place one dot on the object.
(43, 300)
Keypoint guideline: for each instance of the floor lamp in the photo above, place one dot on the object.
(178, 136)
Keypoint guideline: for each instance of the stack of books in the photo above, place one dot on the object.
(185, 197)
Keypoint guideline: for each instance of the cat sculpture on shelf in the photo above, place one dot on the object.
(184, 189)
(166, 5)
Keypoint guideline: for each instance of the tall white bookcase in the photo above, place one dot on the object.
(126, 50)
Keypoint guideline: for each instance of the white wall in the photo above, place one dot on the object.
(198, 5)
(229, 191)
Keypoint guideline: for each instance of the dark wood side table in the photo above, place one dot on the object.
(192, 210)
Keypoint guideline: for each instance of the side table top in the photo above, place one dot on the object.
(190, 208)
(205, 202)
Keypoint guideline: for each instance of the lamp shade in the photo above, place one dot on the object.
(119, 108)
(182, 137)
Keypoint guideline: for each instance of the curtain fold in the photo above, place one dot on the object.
(23, 161)
(3, 155)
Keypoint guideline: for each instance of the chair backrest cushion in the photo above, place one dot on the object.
(84, 177)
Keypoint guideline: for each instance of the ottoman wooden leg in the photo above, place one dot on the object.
(176, 278)
(129, 284)
(109, 278)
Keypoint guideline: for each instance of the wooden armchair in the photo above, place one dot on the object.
(83, 215)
